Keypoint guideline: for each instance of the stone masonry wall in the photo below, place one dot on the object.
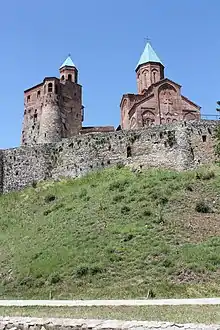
(27, 323)
(178, 146)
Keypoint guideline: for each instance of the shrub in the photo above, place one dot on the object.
(82, 271)
(209, 175)
(86, 198)
(46, 212)
(167, 263)
(147, 213)
(125, 209)
(128, 237)
(118, 185)
(49, 198)
(27, 281)
(163, 200)
(118, 198)
(34, 184)
(119, 166)
(205, 176)
(96, 269)
(203, 207)
(54, 278)
(189, 187)
(82, 193)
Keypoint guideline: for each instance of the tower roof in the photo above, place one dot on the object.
(148, 55)
(67, 62)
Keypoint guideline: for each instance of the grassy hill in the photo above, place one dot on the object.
(113, 234)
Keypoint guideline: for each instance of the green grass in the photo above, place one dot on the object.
(181, 314)
(113, 234)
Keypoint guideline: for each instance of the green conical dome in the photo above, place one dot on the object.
(148, 55)
(67, 62)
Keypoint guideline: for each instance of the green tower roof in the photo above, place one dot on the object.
(148, 55)
(67, 62)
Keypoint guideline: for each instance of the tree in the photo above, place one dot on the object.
(218, 109)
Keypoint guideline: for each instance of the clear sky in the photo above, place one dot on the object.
(105, 39)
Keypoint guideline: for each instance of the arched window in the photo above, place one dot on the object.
(28, 98)
(62, 78)
(50, 88)
(38, 94)
(154, 74)
(69, 77)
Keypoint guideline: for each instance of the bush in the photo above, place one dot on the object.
(46, 212)
(49, 198)
(205, 176)
(96, 269)
(54, 278)
(209, 175)
(147, 213)
(82, 193)
(118, 198)
(128, 237)
(27, 281)
(118, 185)
(82, 271)
(125, 209)
(34, 184)
(119, 166)
(202, 207)
(189, 187)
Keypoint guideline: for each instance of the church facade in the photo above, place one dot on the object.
(159, 99)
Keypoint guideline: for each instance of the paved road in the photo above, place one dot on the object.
(75, 303)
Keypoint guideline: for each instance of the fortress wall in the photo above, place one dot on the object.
(180, 146)
(25, 165)
(202, 137)
(155, 147)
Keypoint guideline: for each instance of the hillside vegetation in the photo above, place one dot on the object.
(114, 234)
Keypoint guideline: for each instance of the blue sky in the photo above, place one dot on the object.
(105, 39)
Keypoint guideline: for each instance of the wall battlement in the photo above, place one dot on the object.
(180, 146)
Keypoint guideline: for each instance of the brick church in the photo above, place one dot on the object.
(158, 100)
(54, 110)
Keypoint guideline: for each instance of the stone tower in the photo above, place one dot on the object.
(159, 99)
(53, 108)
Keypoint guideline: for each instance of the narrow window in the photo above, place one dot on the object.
(62, 78)
(56, 89)
(69, 77)
(203, 138)
(154, 76)
(50, 88)
(28, 98)
(64, 125)
(38, 94)
(128, 151)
